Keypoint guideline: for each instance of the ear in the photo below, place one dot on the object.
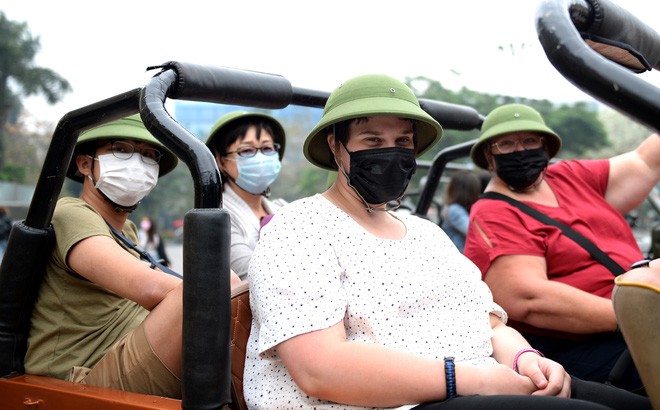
(220, 162)
(489, 158)
(84, 164)
(331, 143)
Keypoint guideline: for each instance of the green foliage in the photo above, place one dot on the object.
(578, 124)
(19, 77)
(26, 149)
(14, 173)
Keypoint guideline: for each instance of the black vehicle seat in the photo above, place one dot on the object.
(21, 273)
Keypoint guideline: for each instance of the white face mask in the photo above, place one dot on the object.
(126, 181)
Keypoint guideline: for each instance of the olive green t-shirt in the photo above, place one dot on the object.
(74, 320)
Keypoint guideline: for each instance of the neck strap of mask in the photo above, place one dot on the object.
(144, 255)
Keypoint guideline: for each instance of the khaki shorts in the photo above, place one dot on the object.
(131, 365)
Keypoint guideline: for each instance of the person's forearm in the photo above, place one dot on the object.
(506, 342)
(562, 307)
(374, 376)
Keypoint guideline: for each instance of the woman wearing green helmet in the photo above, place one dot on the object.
(354, 305)
(248, 148)
(555, 291)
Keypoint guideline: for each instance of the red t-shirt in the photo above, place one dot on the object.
(580, 189)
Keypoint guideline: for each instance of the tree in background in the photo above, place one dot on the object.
(25, 150)
(20, 77)
(577, 123)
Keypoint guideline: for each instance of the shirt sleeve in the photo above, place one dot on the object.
(458, 218)
(88, 223)
(295, 278)
(241, 252)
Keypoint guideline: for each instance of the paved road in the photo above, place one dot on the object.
(175, 253)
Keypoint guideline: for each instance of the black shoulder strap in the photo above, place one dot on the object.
(144, 255)
(593, 250)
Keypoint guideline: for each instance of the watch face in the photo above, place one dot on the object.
(644, 263)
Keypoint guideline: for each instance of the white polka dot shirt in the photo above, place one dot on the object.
(314, 266)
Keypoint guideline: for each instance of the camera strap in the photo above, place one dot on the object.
(144, 255)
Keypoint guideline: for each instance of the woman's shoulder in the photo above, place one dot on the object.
(303, 211)
(415, 220)
(304, 205)
(492, 208)
(456, 208)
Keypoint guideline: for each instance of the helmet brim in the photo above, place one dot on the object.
(552, 141)
(125, 129)
(317, 151)
(228, 119)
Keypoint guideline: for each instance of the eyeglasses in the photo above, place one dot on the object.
(507, 146)
(249, 151)
(125, 150)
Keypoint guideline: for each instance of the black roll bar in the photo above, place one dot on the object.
(598, 46)
(438, 166)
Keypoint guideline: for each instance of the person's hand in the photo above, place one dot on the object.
(490, 380)
(548, 376)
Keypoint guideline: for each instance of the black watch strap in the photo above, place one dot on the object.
(450, 377)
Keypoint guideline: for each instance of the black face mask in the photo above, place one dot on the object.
(520, 169)
(381, 175)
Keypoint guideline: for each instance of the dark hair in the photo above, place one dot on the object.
(341, 130)
(89, 147)
(152, 231)
(236, 131)
(464, 189)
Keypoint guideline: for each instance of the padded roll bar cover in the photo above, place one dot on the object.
(617, 24)
(453, 116)
(207, 308)
(230, 86)
(20, 278)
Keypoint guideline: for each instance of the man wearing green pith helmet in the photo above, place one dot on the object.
(554, 291)
(356, 306)
(104, 317)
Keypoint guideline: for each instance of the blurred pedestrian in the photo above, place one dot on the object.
(462, 191)
(151, 241)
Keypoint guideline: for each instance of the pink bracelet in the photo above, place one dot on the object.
(520, 352)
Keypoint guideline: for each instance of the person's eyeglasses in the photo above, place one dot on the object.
(125, 150)
(508, 146)
(250, 151)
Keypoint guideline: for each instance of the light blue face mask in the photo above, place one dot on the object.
(255, 174)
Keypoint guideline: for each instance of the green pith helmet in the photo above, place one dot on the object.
(368, 96)
(228, 119)
(513, 118)
(128, 128)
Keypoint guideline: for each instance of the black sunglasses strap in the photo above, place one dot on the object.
(593, 250)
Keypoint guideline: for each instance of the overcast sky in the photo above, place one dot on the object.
(103, 48)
